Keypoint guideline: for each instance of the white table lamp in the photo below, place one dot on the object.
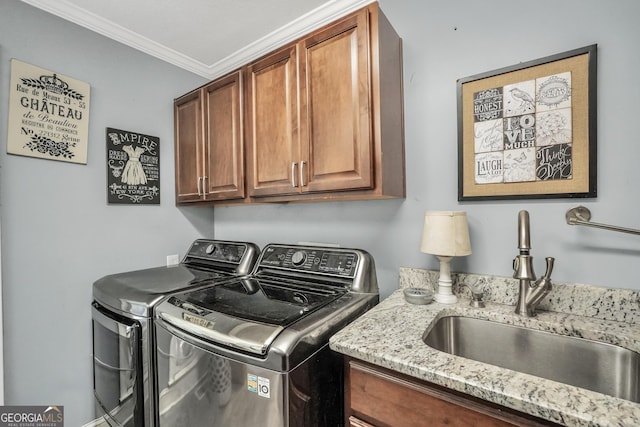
(445, 234)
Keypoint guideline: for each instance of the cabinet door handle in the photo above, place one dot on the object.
(302, 183)
(199, 191)
(293, 174)
(204, 185)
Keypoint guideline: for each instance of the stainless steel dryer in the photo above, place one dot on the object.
(123, 339)
(254, 350)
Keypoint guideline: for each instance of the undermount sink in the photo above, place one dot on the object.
(593, 365)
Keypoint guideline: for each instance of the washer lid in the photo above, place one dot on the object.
(219, 328)
(278, 303)
(246, 313)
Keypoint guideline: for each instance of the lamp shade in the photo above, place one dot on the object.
(445, 233)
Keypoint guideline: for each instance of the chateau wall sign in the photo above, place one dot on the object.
(48, 114)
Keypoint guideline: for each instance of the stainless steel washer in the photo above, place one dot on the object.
(254, 350)
(123, 339)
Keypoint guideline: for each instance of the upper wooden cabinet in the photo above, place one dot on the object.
(188, 146)
(323, 120)
(336, 114)
(325, 114)
(272, 124)
(209, 143)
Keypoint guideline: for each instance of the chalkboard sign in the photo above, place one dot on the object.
(133, 168)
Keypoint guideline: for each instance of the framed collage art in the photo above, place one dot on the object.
(529, 131)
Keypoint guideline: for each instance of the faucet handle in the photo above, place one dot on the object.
(476, 299)
(476, 296)
(550, 262)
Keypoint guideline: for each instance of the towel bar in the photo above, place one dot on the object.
(582, 216)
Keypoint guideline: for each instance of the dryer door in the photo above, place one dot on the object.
(117, 367)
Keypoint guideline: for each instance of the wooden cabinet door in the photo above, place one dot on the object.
(272, 124)
(336, 140)
(223, 149)
(376, 396)
(188, 147)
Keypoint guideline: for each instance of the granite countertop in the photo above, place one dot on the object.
(390, 335)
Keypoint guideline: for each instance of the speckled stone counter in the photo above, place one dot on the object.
(390, 335)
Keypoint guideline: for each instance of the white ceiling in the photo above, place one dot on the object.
(206, 37)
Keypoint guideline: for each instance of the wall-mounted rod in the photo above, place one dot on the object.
(582, 216)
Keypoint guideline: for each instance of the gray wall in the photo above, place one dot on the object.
(58, 233)
(448, 40)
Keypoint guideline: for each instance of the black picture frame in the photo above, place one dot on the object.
(133, 168)
(544, 114)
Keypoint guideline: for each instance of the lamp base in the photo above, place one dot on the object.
(444, 294)
(445, 298)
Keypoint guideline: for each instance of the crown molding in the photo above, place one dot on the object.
(67, 10)
(318, 17)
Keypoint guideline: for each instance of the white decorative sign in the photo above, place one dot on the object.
(48, 114)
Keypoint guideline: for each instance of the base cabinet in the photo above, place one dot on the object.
(376, 396)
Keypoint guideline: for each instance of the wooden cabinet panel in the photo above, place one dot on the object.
(336, 118)
(318, 119)
(209, 142)
(223, 148)
(188, 146)
(272, 124)
(379, 397)
(314, 116)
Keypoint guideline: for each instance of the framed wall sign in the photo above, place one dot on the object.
(133, 168)
(48, 114)
(529, 131)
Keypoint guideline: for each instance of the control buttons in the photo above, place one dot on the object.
(210, 249)
(298, 258)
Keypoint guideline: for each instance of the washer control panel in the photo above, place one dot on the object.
(338, 262)
(213, 250)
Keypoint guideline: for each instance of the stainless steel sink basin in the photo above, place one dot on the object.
(579, 362)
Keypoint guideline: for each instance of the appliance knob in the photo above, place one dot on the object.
(210, 249)
(298, 258)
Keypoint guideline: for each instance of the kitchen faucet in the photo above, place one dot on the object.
(531, 290)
